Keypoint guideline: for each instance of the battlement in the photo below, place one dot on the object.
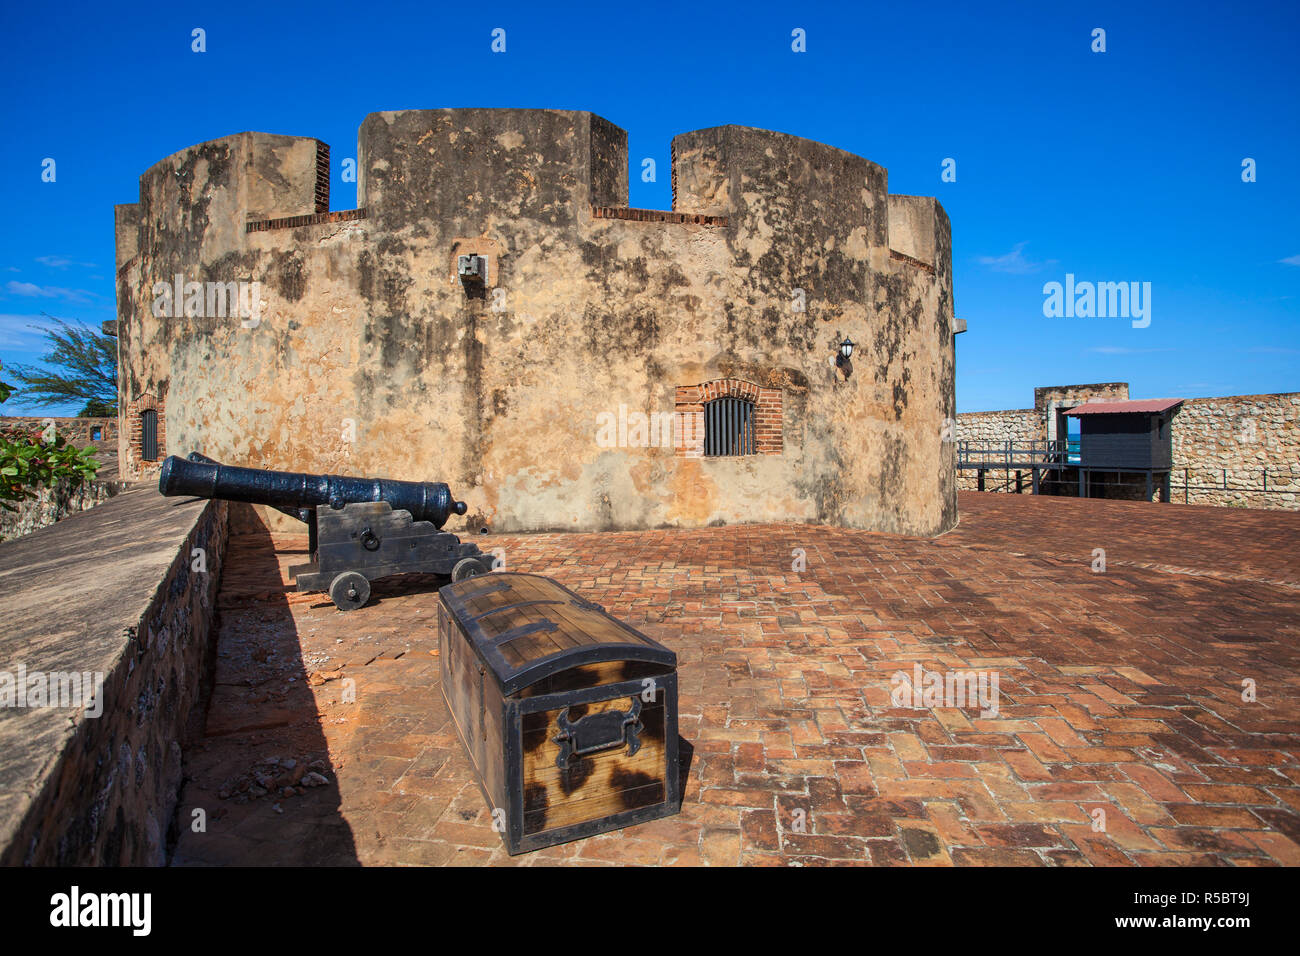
(460, 172)
(197, 201)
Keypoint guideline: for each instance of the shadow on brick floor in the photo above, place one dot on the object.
(261, 775)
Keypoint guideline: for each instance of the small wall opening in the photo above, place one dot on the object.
(728, 417)
(145, 438)
(729, 427)
(149, 435)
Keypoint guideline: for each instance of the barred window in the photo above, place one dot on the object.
(149, 435)
(729, 427)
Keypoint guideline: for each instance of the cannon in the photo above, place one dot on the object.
(358, 529)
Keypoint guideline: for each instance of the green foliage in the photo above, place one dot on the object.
(83, 369)
(97, 409)
(28, 461)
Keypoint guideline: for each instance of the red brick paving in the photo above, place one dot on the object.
(1121, 737)
(1224, 542)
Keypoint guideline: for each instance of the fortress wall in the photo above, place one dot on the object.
(1016, 425)
(1233, 440)
(372, 356)
(77, 431)
(191, 221)
(98, 785)
(607, 162)
(912, 227)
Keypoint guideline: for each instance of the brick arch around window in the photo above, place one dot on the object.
(135, 428)
(690, 402)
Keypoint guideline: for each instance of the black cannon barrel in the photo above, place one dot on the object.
(201, 477)
(301, 514)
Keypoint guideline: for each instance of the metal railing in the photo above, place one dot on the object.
(1017, 453)
(1284, 480)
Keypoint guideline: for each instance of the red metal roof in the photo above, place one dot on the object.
(1126, 408)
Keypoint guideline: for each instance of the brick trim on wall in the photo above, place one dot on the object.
(322, 177)
(905, 258)
(673, 160)
(768, 414)
(656, 215)
(136, 465)
(316, 219)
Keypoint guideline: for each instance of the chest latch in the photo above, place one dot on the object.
(596, 732)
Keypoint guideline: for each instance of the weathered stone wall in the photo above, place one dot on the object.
(1244, 441)
(117, 591)
(77, 431)
(372, 357)
(1015, 425)
(54, 503)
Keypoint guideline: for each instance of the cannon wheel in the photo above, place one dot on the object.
(349, 591)
(467, 568)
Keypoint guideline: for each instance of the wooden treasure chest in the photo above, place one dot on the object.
(568, 715)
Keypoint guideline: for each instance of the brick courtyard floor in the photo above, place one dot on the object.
(1119, 692)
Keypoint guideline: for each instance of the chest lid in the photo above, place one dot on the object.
(526, 627)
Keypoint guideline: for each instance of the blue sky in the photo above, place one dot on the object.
(1116, 166)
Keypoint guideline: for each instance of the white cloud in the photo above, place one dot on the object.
(60, 262)
(26, 288)
(1013, 262)
(1291, 260)
(47, 291)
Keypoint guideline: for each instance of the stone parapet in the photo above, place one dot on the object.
(124, 593)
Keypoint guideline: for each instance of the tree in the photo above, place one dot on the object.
(85, 370)
(33, 458)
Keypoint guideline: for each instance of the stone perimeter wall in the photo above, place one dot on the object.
(54, 503)
(110, 791)
(374, 358)
(1240, 435)
(1018, 424)
(77, 431)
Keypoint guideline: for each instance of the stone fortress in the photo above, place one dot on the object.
(373, 354)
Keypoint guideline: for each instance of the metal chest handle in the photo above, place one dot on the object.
(595, 732)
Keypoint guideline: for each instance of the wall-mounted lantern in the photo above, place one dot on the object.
(842, 360)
